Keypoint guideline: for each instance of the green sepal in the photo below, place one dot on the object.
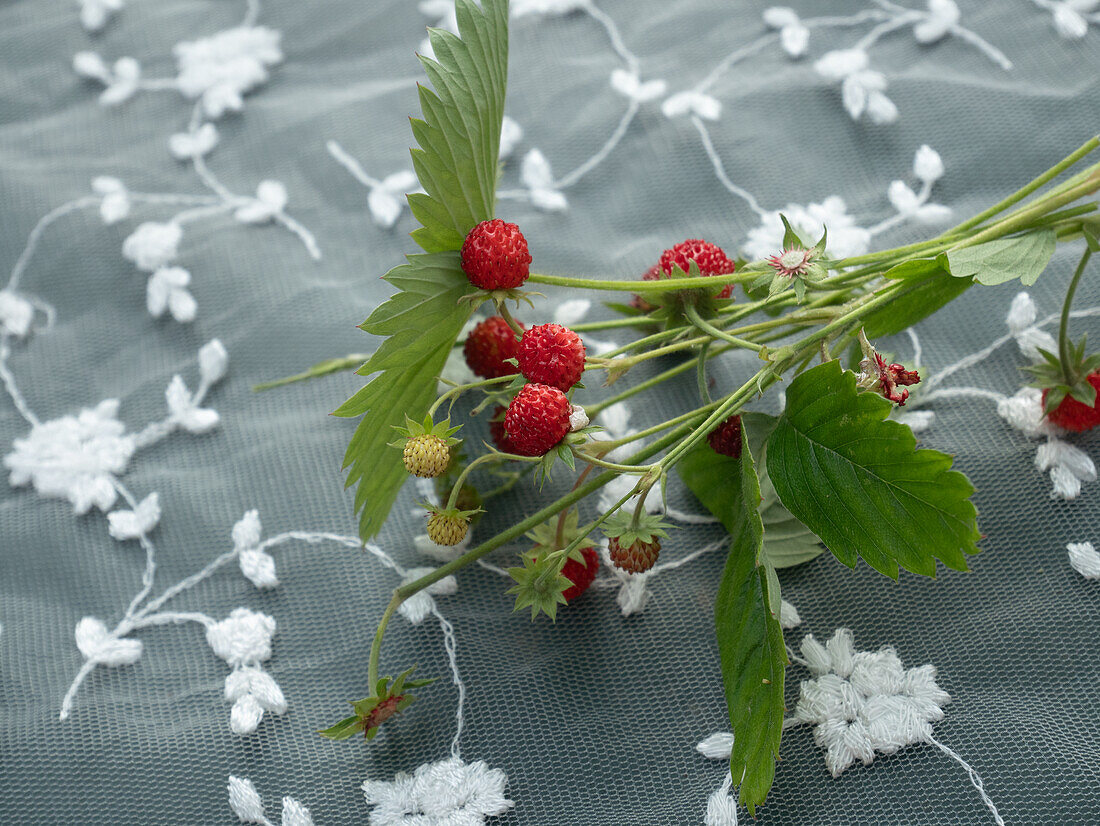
(385, 689)
(540, 584)
(621, 526)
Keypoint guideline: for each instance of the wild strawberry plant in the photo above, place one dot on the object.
(832, 472)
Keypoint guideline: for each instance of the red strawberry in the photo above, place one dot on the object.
(581, 574)
(636, 558)
(1072, 414)
(495, 256)
(488, 345)
(551, 354)
(496, 431)
(710, 259)
(726, 437)
(537, 419)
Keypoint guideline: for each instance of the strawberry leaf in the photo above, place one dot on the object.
(456, 163)
(1005, 259)
(857, 480)
(787, 541)
(750, 641)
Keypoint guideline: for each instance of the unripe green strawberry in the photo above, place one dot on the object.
(447, 527)
(426, 455)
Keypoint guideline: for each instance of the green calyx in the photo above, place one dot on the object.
(540, 584)
(630, 529)
(390, 698)
(669, 304)
(1066, 377)
(796, 267)
(412, 429)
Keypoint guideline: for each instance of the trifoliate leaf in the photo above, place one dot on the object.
(456, 164)
(995, 262)
(858, 481)
(750, 642)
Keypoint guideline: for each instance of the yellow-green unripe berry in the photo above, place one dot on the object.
(426, 455)
(447, 528)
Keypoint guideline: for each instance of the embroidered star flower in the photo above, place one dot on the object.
(222, 68)
(74, 457)
(152, 245)
(446, 793)
(16, 314)
(243, 638)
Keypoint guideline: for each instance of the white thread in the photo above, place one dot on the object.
(452, 657)
(1084, 559)
(975, 779)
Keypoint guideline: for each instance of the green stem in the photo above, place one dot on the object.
(324, 368)
(693, 316)
(662, 285)
(480, 460)
(640, 470)
(1065, 347)
(462, 388)
(376, 644)
(507, 316)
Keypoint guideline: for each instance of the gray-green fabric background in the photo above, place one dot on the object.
(593, 719)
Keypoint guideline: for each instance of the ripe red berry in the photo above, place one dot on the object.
(634, 559)
(537, 419)
(710, 259)
(551, 354)
(488, 345)
(495, 256)
(496, 431)
(726, 437)
(581, 574)
(1072, 415)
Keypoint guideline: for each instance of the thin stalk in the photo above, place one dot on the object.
(663, 285)
(693, 316)
(458, 390)
(481, 460)
(1065, 346)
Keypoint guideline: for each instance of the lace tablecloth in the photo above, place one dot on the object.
(194, 203)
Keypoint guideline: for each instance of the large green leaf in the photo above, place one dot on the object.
(857, 480)
(1005, 259)
(750, 642)
(457, 164)
(708, 475)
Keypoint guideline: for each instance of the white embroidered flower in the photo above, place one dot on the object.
(116, 200)
(417, 607)
(252, 692)
(845, 237)
(927, 164)
(1021, 325)
(213, 362)
(538, 178)
(862, 89)
(386, 198)
(942, 17)
(94, 13)
(1069, 17)
(195, 144)
(1084, 559)
(16, 314)
(183, 411)
(270, 200)
(74, 457)
(121, 80)
(690, 102)
(166, 291)
(245, 801)
(794, 36)
(523, 8)
(222, 68)
(912, 205)
(630, 85)
(1024, 411)
(447, 793)
(863, 702)
(153, 245)
(98, 645)
(256, 564)
(132, 524)
(917, 420)
(511, 133)
(1069, 466)
(243, 638)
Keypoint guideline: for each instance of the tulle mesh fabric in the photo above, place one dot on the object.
(594, 718)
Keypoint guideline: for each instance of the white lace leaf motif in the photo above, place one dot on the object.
(1084, 559)
(133, 524)
(248, 806)
(446, 793)
(99, 646)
